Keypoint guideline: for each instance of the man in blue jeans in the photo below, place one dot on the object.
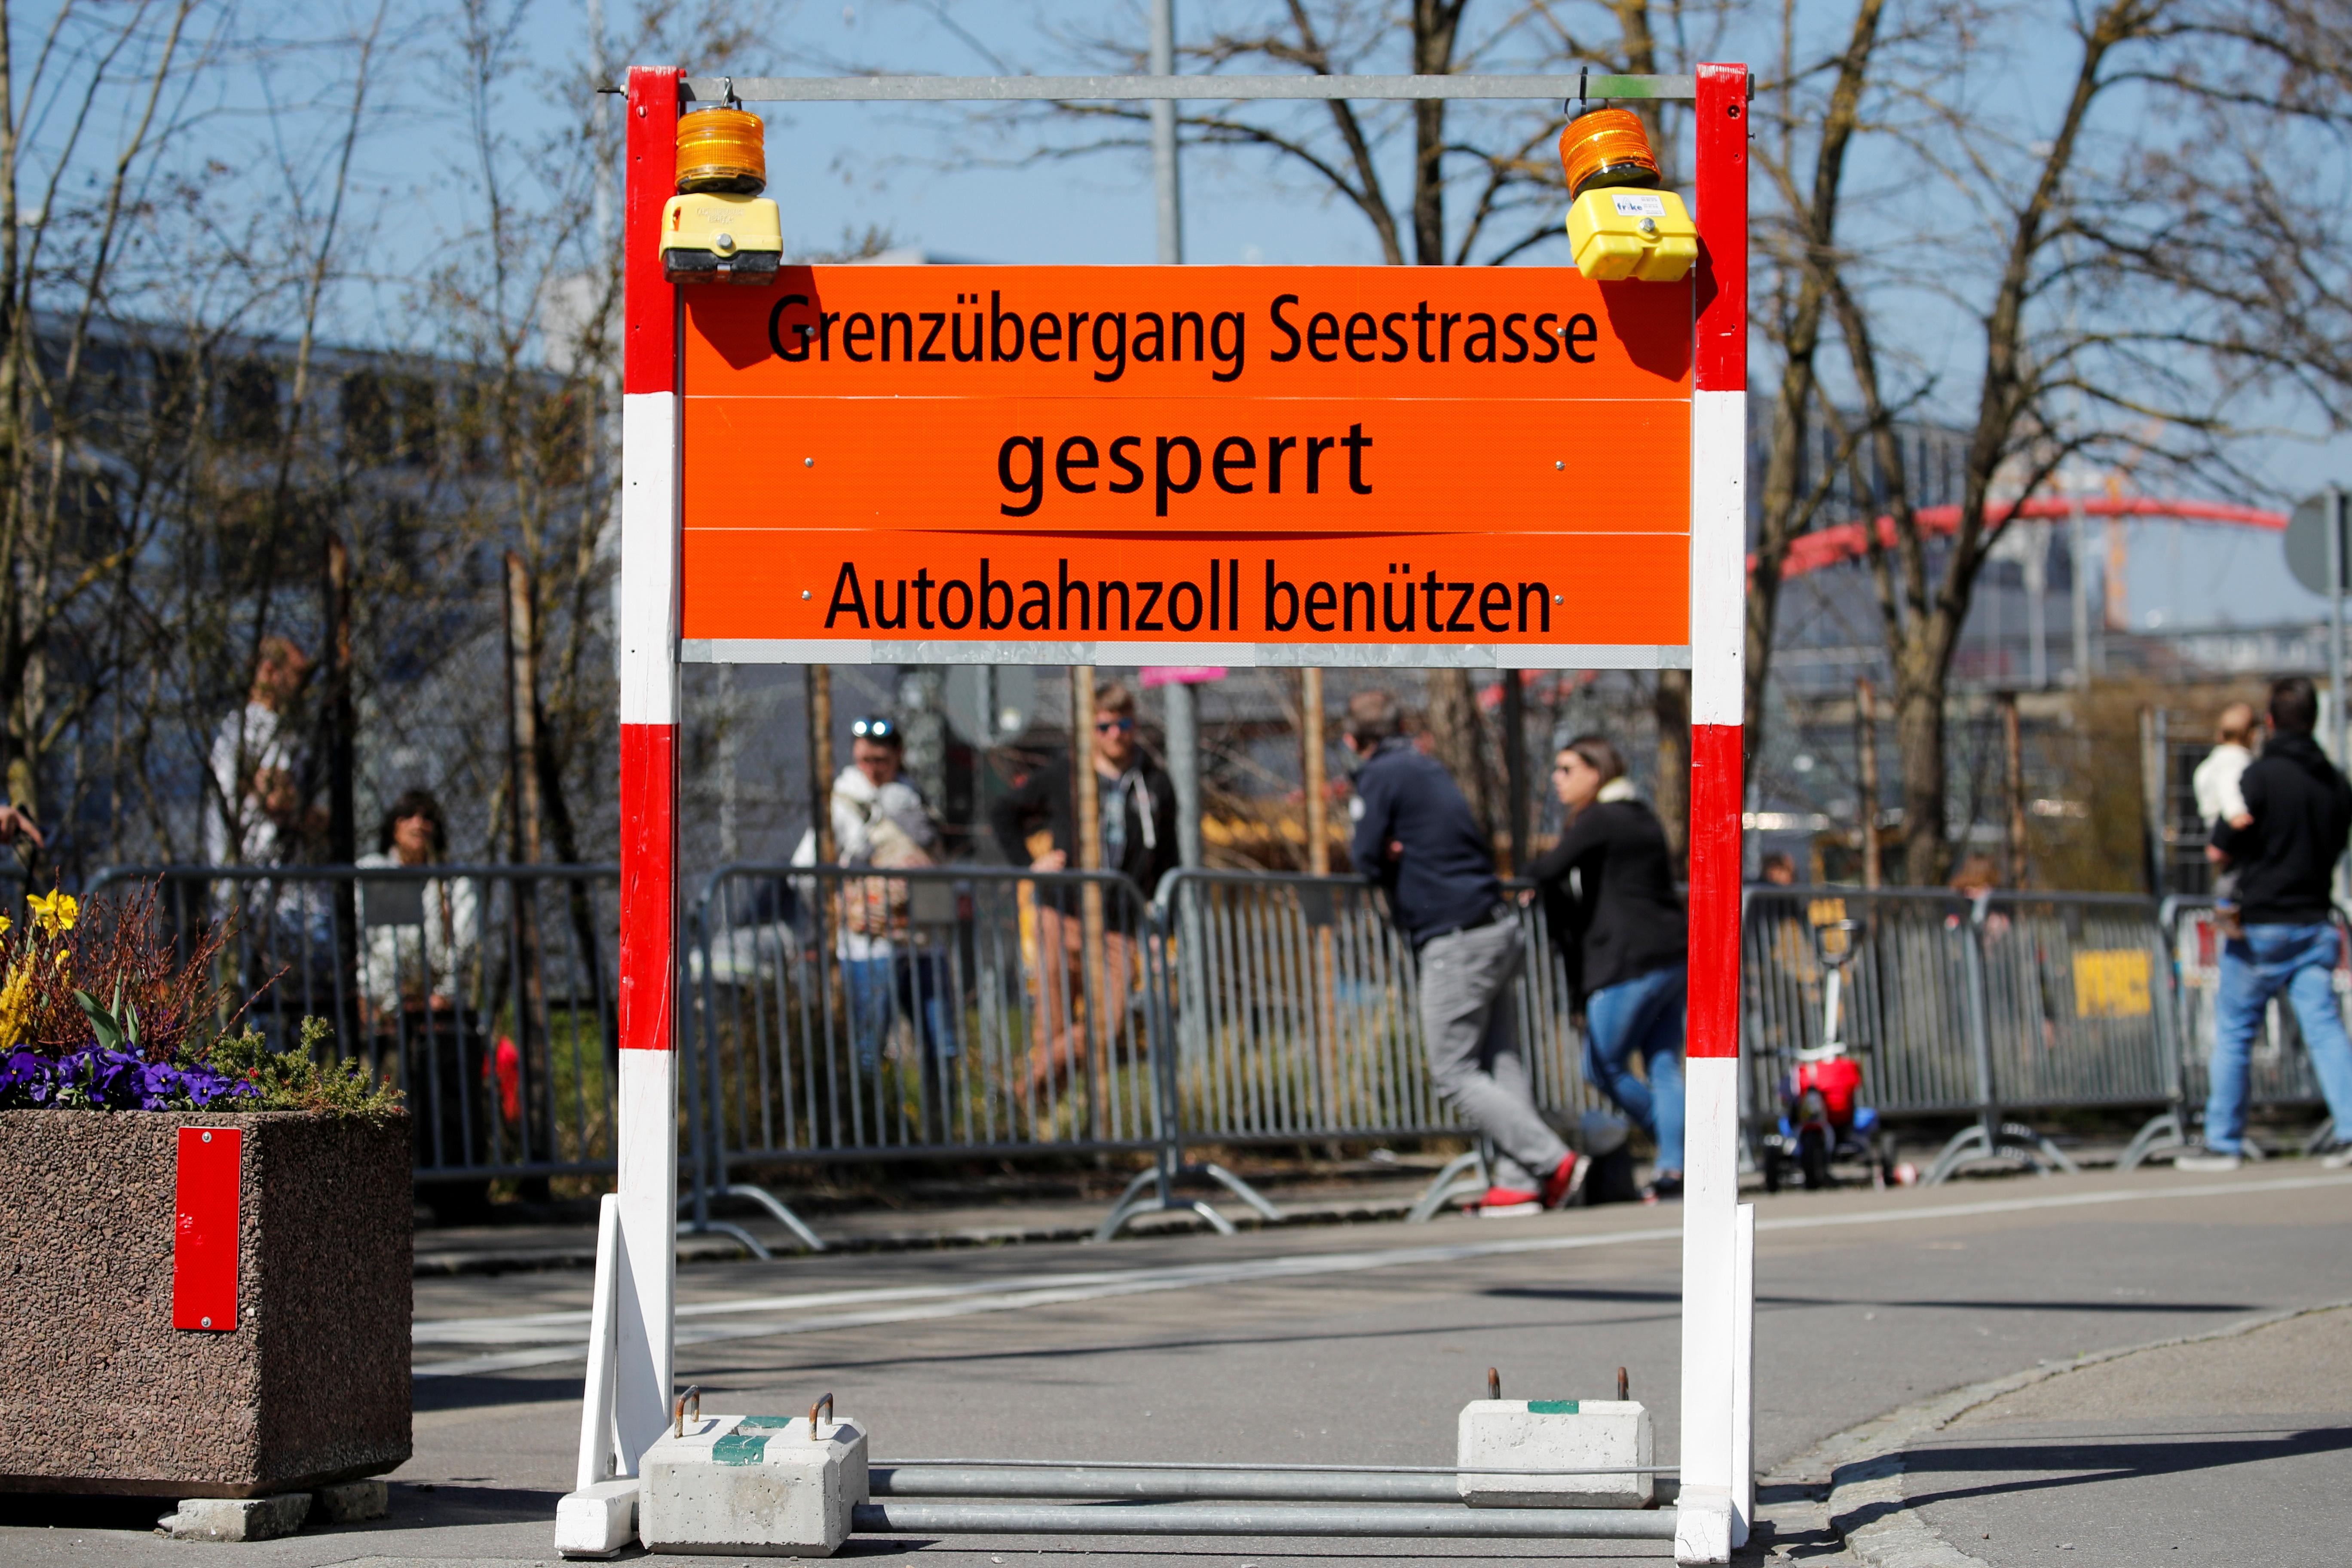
(2298, 815)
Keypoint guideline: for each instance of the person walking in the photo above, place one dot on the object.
(1137, 807)
(2298, 815)
(1416, 839)
(1625, 933)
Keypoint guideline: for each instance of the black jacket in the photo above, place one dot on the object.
(1042, 800)
(2303, 812)
(1621, 917)
(1444, 880)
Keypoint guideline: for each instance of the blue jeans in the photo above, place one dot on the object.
(880, 988)
(1644, 1015)
(2300, 960)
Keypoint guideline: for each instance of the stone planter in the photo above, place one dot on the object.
(99, 1393)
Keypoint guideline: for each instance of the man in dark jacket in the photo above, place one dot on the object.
(2298, 815)
(1138, 813)
(1416, 839)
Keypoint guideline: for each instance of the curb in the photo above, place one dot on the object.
(1869, 1504)
(717, 1248)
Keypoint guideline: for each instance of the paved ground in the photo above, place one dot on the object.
(1361, 1342)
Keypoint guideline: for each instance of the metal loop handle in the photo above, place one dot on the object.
(678, 1411)
(825, 1405)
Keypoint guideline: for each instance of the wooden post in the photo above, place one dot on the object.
(1865, 753)
(524, 848)
(2012, 746)
(1515, 771)
(819, 759)
(1313, 748)
(343, 807)
(1086, 805)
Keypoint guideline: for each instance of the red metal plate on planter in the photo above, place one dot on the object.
(203, 1229)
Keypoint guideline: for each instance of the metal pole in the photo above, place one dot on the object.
(1243, 1519)
(1865, 752)
(1184, 770)
(1167, 188)
(1312, 751)
(2335, 552)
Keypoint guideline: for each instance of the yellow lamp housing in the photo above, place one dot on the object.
(709, 236)
(1615, 233)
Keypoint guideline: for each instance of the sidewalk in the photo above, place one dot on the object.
(2230, 1448)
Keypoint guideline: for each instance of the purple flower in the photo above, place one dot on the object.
(27, 1078)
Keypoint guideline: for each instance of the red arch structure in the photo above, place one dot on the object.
(1829, 546)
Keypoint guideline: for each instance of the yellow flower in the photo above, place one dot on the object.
(54, 912)
(5, 923)
(16, 1006)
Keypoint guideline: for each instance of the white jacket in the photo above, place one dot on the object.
(416, 947)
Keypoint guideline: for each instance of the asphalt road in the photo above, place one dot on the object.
(1362, 1344)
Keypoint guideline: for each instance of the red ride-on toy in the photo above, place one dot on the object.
(1823, 1122)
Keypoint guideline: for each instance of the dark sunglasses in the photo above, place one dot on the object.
(1105, 726)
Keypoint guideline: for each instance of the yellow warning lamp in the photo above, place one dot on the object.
(1620, 223)
(718, 228)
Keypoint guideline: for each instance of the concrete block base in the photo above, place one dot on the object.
(350, 1503)
(754, 1486)
(236, 1518)
(1567, 1436)
(598, 1521)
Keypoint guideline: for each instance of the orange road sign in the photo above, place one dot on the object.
(1294, 461)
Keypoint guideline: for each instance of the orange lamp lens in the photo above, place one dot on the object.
(1605, 147)
(721, 150)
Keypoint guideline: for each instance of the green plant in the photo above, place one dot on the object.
(304, 1078)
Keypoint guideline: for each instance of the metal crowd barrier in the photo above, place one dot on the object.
(484, 992)
(948, 1011)
(838, 1013)
(2279, 1072)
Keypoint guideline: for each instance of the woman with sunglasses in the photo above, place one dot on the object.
(1609, 886)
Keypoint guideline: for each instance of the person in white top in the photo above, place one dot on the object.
(420, 934)
(255, 813)
(2219, 785)
(880, 820)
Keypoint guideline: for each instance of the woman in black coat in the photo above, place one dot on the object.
(1610, 885)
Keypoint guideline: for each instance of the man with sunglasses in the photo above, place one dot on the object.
(1033, 825)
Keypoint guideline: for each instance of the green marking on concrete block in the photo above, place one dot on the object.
(736, 1449)
(764, 1423)
(1551, 1407)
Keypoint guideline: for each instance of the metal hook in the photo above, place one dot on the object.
(1494, 1383)
(678, 1411)
(825, 1405)
(726, 92)
(1623, 1389)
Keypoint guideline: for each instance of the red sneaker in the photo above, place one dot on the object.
(1564, 1187)
(1505, 1202)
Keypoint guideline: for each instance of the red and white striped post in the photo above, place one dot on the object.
(1719, 621)
(647, 1135)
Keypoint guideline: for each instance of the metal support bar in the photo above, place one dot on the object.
(1143, 89)
(1465, 1175)
(1153, 1485)
(1242, 1518)
(777, 1209)
(728, 1227)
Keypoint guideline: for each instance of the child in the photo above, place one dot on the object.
(2220, 798)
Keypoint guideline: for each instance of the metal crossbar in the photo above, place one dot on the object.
(1204, 88)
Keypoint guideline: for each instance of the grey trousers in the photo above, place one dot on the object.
(1469, 1029)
